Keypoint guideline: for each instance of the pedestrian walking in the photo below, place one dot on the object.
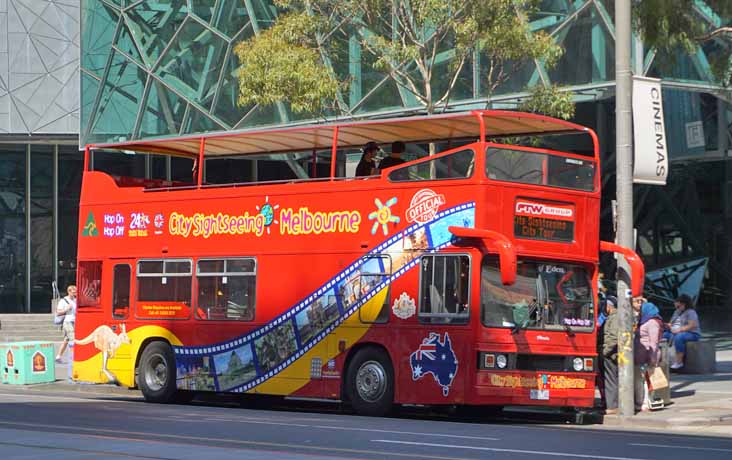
(67, 305)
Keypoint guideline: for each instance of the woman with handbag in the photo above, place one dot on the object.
(646, 348)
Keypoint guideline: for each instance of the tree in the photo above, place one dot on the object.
(421, 45)
(670, 25)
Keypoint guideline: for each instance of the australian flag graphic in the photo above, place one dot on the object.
(437, 358)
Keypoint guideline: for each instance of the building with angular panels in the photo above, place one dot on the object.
(162, 68)
(40, 175)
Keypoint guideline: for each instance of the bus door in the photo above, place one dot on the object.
(120, 360)
(436, 362)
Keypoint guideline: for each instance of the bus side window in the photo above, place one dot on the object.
(164, 288)
(444, 289)
(226, 289)
(375, 270)
(90, 284)
(121, 291)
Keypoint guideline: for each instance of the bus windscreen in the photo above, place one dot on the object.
(528, 167)
(546, 295)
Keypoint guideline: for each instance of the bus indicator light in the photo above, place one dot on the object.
(489, 360)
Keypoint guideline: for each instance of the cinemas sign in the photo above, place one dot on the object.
(543, 221)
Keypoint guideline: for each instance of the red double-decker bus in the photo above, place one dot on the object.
(464, 277)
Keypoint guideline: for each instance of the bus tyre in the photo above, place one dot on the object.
(157, 373)
(370, 382)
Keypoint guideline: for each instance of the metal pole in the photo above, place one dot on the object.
(28, 234)
(624, 183)
(55, 212)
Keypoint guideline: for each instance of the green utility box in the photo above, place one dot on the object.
(24, 363)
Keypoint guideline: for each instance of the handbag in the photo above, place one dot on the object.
(657, 378)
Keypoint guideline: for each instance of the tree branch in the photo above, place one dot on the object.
(714, 33)
(446, 97)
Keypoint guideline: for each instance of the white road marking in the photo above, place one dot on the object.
(670, 446)
(497, 449)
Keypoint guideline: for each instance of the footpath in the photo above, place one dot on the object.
(701, 404)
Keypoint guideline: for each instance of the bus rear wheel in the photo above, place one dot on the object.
(157, 373)
(370, 382)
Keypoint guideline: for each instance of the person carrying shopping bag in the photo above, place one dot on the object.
(647, 352)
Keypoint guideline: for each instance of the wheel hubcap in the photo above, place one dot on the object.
(156, 373)
(371, 381)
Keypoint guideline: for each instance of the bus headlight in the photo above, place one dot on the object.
(577, 364)
(501, 361)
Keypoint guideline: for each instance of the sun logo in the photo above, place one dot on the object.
(382, 215)
(267, 211)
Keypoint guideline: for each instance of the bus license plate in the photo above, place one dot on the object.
(540, 394)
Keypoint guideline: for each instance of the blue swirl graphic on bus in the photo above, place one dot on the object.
(244, 362)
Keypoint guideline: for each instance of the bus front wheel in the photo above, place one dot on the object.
(371, 382)
(157, 373)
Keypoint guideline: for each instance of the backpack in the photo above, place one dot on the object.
(58, 317)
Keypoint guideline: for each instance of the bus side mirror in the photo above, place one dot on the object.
(637, 269)
(497, 241)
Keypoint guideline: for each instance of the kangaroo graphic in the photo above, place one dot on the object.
(106, 341)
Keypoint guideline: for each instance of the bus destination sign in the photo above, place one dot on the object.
(538, 220)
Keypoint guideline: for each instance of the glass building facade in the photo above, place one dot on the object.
(152, 68)
(40, 163)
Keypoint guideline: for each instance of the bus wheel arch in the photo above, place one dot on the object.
(156, 371)
(369, 380)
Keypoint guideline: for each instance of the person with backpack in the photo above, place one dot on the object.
(67, 308)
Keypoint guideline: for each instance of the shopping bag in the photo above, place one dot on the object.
(657, 378)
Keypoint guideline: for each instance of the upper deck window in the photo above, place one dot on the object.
(526, 167)
(458, 165)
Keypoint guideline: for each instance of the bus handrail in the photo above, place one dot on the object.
(499, 241)
(638, 271)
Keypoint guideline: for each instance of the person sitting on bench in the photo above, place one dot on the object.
(683, 327)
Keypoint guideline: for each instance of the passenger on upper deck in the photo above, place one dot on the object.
(367, 165)
(394, 158)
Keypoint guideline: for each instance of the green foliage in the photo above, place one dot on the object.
(550, 100)
(419, 44)
(280, 65)
(673, 25)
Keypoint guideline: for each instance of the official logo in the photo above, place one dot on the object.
(10, 359)
(424, 206)
(435, 357)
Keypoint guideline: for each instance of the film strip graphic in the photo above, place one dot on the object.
(425, 238)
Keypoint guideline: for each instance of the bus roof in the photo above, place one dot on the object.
(353, 133)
